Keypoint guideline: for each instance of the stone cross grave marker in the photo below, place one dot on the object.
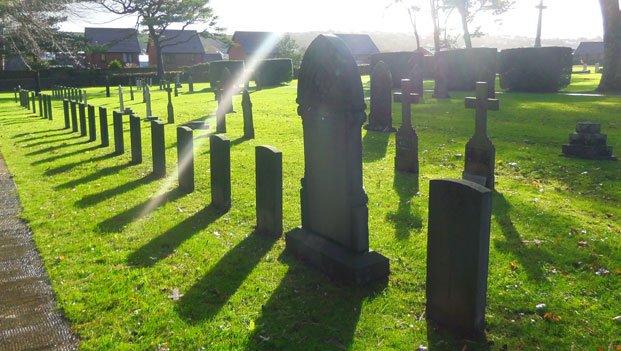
(457, 255)
(158, 148)
(406, 158)
(185, 158)
(334, 236)
(380, 117)
(247, 112)
(103, 126)
(268, 191)
(135, 135)
(480, 152)
(220, 163)
(92, 128)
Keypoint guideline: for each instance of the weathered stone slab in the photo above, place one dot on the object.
(269, 191)
(103, 126)
(66, 113)
(380, 117)
(220, 162)
(588, 143)
(82, 115)
(50, 114)
(92, 128)
(457, 255)
(117, 128)
(40, 100)
(247, 112)
(169, 108)
(74, 116)
(185, 158)
(34, 105)
(158, 148)
(135, 135)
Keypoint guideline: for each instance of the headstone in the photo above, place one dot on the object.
(185, 158)
(82, 114)
(15, 95)
(131, 92)
(103, 126)
(158, 148)
(598, 68)
(380, 117)
(170, 109)
(440, 89)
(269, 191)
(49, 108)
(107, 86)
(34, 106)
(66, 113)
(135, 135)
(247, 112)
(334, 236)
(220, 121)
(74, 116)
(117, 128)
(220, 162)
(190, 84)
(457, 255)
(92, 128)
(589, 143)
(177, 85)
(121, 101)
(480, 152)
(40, 99)
(406, 158)
(416, 75)
(147, 97)
(84, 96)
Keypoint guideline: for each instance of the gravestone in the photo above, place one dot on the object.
(247, 112)
(589, 143)
(480, 152)
(135, 135)
(40, 99)
(74, 116)
(416, 76)
(66, 113)
(334, 236)
(185, 158)
(84, 96)
(49, 107)
(457, 255)
(34, 105)
(44, 100)
(103, 126)
(144, 93)
(15, 95)
(406, 158)
(131, 92)
(158, 148)
(82, 115)
(380, 117)
(220, 121)
(170, 109)
(107, 86)
(147, 97)
(190, 84)
(92, 128)
(269, 191)
(117, 129)
(220, 163)
(176, 86)
(440, 89)
(121, 101)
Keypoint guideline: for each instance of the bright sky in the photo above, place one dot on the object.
(563, 18)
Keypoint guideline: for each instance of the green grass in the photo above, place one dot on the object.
(117, 243)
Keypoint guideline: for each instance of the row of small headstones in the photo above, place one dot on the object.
(28, 100)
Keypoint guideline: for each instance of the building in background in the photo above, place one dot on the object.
(215, 49)
(361, 46)
(108, 44)
(246, 44)
(179, 48)
(590, 52)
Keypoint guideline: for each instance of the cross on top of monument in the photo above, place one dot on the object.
(541, 6)
(407, 94)
(481, 103)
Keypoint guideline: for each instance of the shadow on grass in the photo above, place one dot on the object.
(441, 340)
(306, 312)
(407, 187)
(93, 199)
(64, 155)
(118, 222)
(208, 295)
(70, 166)
(17, 136)
(240, 140)
(63, 137)
(92, 177)
(375, 145)
(165, 244)
(55, 147)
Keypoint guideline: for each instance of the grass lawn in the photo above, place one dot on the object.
(136, 265)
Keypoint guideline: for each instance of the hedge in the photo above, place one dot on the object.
(273, 72)
(546, 69)
(199, 72)
(217, 67)
(464, 67)
(401, 64)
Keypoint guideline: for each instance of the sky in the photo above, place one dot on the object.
(566, 19)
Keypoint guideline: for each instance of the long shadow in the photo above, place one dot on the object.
(165, 244)
(306, 312)
(375, 145)
(439, 339)
(92, 177)
(208, 295)
(240, 140)
(93, 199)
(70, 166)
(56, 147)
(64, 155)
(116, 223)
(406, 186)
(47, 131)
(55, 139)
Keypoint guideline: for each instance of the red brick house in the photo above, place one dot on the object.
(179, 48)
(108, 44)
(246, 44)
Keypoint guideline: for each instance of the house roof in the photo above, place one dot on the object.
(213, 46)
(114, 39)
(181, 42)
(359, 44)
(250, 41)
(590, 48)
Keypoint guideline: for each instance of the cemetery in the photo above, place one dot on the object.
(425, 202)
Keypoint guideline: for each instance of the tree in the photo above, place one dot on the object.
(468, 9)
(158, 15)
(29, 28)
(611, 78)
(288, 48)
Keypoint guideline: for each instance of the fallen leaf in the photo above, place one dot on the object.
(549, 316)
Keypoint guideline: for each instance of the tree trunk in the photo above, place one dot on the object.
(463, 12)
(415, 28)
(436, 25)
(611, 78)
(159, 58)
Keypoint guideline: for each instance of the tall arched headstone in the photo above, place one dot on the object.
(380, 118)
(334, 236)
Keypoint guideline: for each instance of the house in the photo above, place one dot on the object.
(246, 44)
(590, 52)
(108, 44)
(361, 46)
(179, 48)
(215, 49)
